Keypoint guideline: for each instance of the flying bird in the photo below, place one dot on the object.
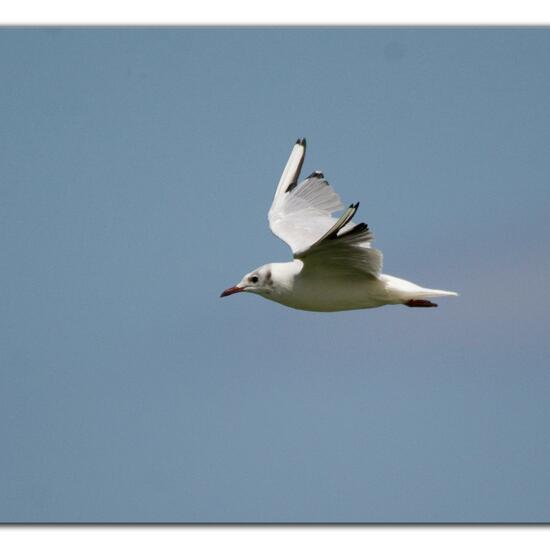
(335, 268)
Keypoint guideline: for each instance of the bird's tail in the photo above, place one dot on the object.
(402, 290)
(433, 293)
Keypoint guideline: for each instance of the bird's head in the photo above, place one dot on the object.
(259, 281)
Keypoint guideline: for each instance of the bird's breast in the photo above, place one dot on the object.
(333, 294)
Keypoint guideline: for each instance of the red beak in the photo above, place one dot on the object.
(230, 291)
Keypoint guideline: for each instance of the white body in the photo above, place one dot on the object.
(334, 292)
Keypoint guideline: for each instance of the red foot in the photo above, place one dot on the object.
(420, 303)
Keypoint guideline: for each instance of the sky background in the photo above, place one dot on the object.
(136, 170)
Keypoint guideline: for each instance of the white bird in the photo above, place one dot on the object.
(334, 267)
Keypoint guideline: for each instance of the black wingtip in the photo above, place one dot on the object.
(317, 174)
(359, 228)
(354, 206)
(301, 141)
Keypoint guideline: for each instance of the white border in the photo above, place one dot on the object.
(268, 538)
(282, 12)
(287, 12)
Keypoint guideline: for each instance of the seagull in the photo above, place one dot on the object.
(335, 268)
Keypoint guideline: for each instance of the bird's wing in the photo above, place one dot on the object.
(301, 215)
(345, 248)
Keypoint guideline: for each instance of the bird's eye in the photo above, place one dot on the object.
(254, 279)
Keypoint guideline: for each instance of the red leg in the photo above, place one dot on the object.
(420, 303)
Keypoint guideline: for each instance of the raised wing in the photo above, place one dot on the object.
(301, 215)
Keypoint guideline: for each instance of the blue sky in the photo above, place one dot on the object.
(136, 170)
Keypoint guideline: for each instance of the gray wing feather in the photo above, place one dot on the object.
(345, 248)
(302, 215)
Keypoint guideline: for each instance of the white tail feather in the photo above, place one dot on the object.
(432, 293)
(402, 289)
